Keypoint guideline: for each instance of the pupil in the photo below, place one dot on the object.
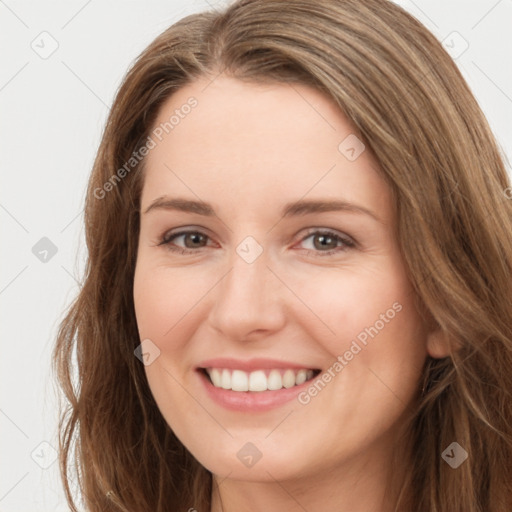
(195, 239)
(325, 241)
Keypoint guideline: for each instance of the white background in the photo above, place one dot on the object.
(52, 114)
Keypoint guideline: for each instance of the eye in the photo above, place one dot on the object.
(324, 242)
(184, 241)
(318, 242)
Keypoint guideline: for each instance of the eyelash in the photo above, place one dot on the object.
(347, 242)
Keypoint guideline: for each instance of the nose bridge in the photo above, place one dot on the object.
(247, 299)
(246, 282)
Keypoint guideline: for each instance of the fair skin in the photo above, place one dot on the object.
(248, 150)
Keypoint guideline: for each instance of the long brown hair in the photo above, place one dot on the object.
(405, 95)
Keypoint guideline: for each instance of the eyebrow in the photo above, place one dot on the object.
(296, 208)
(184, 205)
(305, 207)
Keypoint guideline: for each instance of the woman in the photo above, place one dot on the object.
(298, 287)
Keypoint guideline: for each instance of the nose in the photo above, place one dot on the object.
(248, 303)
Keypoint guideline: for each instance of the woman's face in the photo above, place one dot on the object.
(268, 255)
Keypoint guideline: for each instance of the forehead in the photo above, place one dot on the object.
(252, 143)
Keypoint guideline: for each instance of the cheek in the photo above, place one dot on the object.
(369, 323)
(165, 300)
(349, 305)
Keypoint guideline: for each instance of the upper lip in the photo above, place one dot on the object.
(251, 364)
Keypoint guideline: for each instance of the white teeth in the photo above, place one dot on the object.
(288, 379)
(216, 377)
(274, 380)
(301, 377)
(226, 379)
(238, 380)
(257, 381)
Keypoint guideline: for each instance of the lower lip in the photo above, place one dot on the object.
(251, 401)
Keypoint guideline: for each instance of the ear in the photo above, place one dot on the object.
(439, 345)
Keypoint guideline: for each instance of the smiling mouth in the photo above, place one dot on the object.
(258, 380)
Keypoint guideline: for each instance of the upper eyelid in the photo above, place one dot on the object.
(185, 230)
(328, 231)
(169, 235)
